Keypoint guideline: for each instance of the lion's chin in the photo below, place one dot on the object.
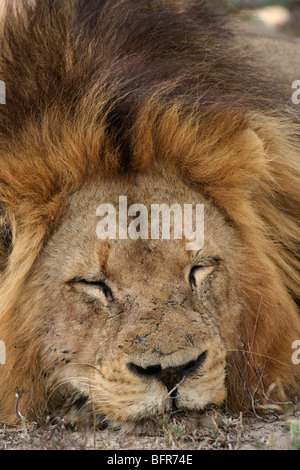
(147, 413)
(185, 406)
(150, 424)
(182, 412)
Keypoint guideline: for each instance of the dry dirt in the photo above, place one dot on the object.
(218, 432)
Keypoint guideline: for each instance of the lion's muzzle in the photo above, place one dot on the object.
(169, 376)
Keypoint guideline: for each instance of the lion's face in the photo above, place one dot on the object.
(137, 327)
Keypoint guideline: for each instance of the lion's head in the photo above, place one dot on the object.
(128, 328)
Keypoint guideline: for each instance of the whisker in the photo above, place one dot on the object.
(83, 364)
(258, 354)
(70, 381)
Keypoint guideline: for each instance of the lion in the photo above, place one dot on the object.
(163, 103)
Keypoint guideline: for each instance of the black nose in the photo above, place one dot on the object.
(170, 376)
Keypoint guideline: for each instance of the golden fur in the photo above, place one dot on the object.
(154, 100)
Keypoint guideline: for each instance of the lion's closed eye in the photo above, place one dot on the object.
(201, 270)
(199, 273)
(93, 290)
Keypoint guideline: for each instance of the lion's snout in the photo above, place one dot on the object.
(169, 376)
(154, 355)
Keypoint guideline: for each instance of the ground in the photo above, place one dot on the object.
(272, 431)
(219, 432)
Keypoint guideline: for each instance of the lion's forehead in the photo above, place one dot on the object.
(76, 240)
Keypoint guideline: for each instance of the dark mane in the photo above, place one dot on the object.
(61, 51)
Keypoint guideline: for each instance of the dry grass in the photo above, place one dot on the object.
(219, 432)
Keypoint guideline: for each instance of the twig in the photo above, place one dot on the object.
(239, 431)
(174, 388)
(18, 397)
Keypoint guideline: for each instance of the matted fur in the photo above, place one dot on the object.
(113, 88)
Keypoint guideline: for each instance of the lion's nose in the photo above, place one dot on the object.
(170, 376)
